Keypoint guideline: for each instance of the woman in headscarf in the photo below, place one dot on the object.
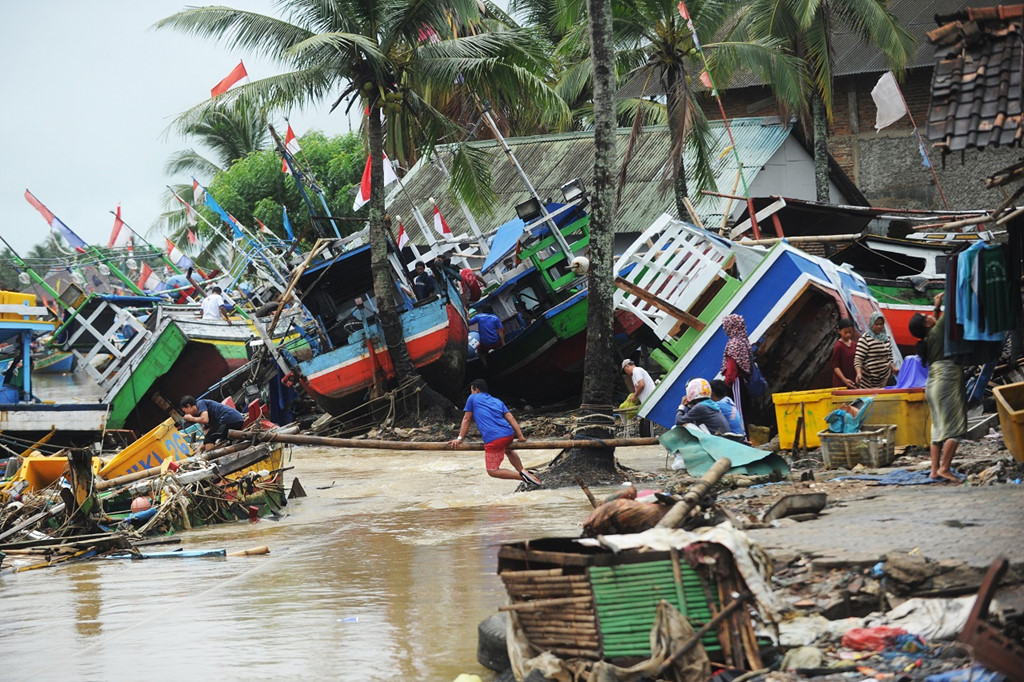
(737, 360)
(873, 360)
(700, 410)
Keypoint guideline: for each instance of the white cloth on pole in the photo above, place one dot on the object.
(888, 100)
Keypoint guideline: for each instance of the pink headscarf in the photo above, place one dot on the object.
(738, 346)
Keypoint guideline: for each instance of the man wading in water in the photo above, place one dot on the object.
(497, 428)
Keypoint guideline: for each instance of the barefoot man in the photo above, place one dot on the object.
(497, 428)
(944, 391)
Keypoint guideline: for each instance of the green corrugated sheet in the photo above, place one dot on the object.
(553, 160)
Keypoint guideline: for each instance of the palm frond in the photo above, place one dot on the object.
(471, 179)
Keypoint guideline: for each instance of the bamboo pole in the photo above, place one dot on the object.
(366, 444)
(680, 510)
(693, 641)
(540, 604)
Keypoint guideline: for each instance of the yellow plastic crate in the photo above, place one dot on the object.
(1010, 403)
(816, 404)
(907, 409)
(15, 298)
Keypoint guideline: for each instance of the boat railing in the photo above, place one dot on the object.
(119, 338)
(667, 271)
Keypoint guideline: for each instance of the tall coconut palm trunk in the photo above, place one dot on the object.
(820, 122)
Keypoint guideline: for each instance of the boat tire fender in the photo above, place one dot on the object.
(492, 647)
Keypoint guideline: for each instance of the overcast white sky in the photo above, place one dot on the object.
(89, 91)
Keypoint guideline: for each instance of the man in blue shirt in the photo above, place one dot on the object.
(497, 428)
(492, 332)
(215, 417)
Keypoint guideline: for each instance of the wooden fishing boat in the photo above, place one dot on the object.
(904, 274)
(689, 279)
(542, 302)
(350, 359)
(54, 362)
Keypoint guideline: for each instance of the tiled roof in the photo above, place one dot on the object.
(976, 85)
(550, 161)
(849, 54)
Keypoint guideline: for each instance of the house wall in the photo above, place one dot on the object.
(887, 165)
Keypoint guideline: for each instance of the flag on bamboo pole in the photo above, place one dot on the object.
(215, 207)
(175, 255)
(238, 76)
(403, 236)
(197, 192)
(291, 145)
(148, 280)
(120, 236)
(440, 224)
(192, 239)
(287, 224)
(55, 223)
(191, 216)
(363, 195)
(888, 101)
(263, 228)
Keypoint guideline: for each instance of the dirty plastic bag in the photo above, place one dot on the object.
(871, 639)
(934, 619)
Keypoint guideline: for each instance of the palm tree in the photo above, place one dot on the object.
(806, 27)
(599, 366)
(654, 33)
(386, 57)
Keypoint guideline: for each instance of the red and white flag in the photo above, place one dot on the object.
(291, 144)
(120, 236)
(192, 239)
(363, 195)
(237, 76)
(403, 236)
(197, 192)
(440, 224)
(175, 255)
(148, 280)
(263, 228)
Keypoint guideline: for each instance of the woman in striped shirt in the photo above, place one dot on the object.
(873, 360)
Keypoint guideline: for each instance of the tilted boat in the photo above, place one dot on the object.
(349, 357)
(687, 279)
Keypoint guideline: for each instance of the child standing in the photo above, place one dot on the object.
(497, 428)
(844, 372)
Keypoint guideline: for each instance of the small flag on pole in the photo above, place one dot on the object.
(54, 222)
(197, 192)
(235, 226)
(192, 239)
(440, 224)
(888, 100)
(363, 195)
(238, 76)
(403, 236)
(263, 228)
(119, 235)
(148, 280)
(291, 145)
(177, 257)
(287, 224)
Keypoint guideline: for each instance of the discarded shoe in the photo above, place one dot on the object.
(529, 477)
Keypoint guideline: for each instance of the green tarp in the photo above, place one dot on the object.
(700, 450)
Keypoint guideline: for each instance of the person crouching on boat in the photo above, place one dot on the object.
(216, 418)
(701, 410)
(497, 428)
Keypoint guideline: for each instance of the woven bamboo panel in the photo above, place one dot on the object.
(555, 610)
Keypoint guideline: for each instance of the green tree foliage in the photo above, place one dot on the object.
(254, 188)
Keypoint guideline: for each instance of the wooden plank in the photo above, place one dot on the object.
(681, 315)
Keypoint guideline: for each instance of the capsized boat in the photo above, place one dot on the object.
(349, 358)
(687, 279)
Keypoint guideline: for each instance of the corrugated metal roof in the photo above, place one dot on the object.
(849, 51)
(550, 161)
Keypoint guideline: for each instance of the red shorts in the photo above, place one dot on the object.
(494, 451)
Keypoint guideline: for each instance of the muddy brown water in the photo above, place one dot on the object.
(382, 573)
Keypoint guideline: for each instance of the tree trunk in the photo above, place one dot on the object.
(433, 404)
(820, 148)
(599, 379)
